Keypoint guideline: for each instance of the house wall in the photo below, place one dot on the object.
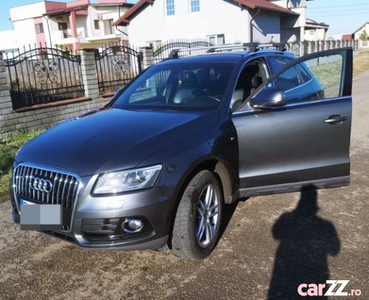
(359, 32)
(8, 41)
(317, 34)
(267, 22)
(215, 17)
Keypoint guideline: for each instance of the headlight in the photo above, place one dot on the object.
(129, 180)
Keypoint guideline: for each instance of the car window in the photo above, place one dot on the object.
(250, 78)
(314, 79)
(276, 63)
(178, 86)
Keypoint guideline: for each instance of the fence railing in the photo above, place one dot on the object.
(164, 51)
(42, 75)
(116, 66)
(308, 47)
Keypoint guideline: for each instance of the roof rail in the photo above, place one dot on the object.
(277, 46)
(252, 47)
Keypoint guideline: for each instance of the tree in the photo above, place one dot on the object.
(364, 36)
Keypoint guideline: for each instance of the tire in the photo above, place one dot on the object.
(198, 219)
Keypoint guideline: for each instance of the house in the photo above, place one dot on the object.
(150, 22)
(315, 31)
(362, 34)
(73, 25)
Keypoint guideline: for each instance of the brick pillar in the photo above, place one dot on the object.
(89, 73)
(147, 57)
(7, 123)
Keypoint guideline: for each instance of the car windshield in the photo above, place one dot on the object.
(178, 86)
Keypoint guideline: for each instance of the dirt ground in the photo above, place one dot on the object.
(270, 246)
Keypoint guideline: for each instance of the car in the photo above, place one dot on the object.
(154, 168)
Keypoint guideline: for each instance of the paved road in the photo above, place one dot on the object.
(264, 250)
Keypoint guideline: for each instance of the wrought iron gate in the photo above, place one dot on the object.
(117, 66)
(43, 75)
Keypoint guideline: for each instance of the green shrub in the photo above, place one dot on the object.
(8, 148)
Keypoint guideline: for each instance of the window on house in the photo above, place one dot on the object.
(108, 26)
(170, 7)
(96, 24)
(63, 26)
(39, 28)
(195, 5)
(216, 39)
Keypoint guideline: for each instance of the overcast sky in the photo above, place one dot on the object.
(342, 16)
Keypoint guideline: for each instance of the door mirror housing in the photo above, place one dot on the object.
(268, 98)
(117, 92)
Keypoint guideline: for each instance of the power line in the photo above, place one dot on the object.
(332, 16)
(338, 6)
(325, 13)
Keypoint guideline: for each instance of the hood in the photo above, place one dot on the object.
(112, 139)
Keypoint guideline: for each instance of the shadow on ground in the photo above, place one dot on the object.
(306, 240)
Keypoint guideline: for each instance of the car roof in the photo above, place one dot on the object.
(228, 56)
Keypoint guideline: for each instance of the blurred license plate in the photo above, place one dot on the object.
(36, 214)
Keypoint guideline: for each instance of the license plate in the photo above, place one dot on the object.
(33, 214)
(24, 202)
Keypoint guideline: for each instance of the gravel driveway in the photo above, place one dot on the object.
(265, 252)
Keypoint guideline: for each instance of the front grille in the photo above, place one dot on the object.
(45, 186)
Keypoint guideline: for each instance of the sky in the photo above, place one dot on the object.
(342, 16)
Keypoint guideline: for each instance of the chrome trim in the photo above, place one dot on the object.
(47, 185)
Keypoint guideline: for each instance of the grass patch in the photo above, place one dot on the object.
(8, 148)
(361, 62)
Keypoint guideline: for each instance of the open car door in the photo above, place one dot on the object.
(294, 131)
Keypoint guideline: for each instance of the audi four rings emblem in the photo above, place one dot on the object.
(41, 185)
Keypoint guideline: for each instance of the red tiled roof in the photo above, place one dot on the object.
(253, 4)
(124, 20)
(263, 4)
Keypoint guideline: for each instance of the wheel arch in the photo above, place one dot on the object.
(218, 168)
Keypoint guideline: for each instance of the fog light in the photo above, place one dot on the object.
(132, 225)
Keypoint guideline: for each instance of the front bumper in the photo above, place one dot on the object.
(103, 222)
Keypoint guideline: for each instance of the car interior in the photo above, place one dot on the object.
(251, 77)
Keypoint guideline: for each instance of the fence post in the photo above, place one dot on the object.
(302, 49)
(147, 57)
(310, 47)
(7, 124)
(89, 73)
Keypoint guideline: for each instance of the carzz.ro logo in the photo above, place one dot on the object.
(336, 289)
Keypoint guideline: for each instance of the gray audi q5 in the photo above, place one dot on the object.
(154, 168)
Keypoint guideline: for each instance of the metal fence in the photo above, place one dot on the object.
(116, 66)
(42, 75)
(164, 51)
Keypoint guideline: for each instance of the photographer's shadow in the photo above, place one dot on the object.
(306, 240)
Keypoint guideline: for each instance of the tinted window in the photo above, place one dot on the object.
(276, 63)
(178, 86)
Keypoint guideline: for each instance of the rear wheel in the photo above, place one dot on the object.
(197, 223)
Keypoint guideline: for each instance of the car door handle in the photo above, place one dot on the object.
(335, 120)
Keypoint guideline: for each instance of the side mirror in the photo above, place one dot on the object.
(117, 92)
(268, 98)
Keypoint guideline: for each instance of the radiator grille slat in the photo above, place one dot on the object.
(46, 186)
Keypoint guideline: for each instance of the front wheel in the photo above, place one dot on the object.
(198, 219)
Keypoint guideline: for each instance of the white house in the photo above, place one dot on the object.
(358, 34)
(73, 25)
(315, 31)
(219, 21)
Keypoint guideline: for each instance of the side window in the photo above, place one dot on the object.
(276, 63)
(317, 78)
(251, 77)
